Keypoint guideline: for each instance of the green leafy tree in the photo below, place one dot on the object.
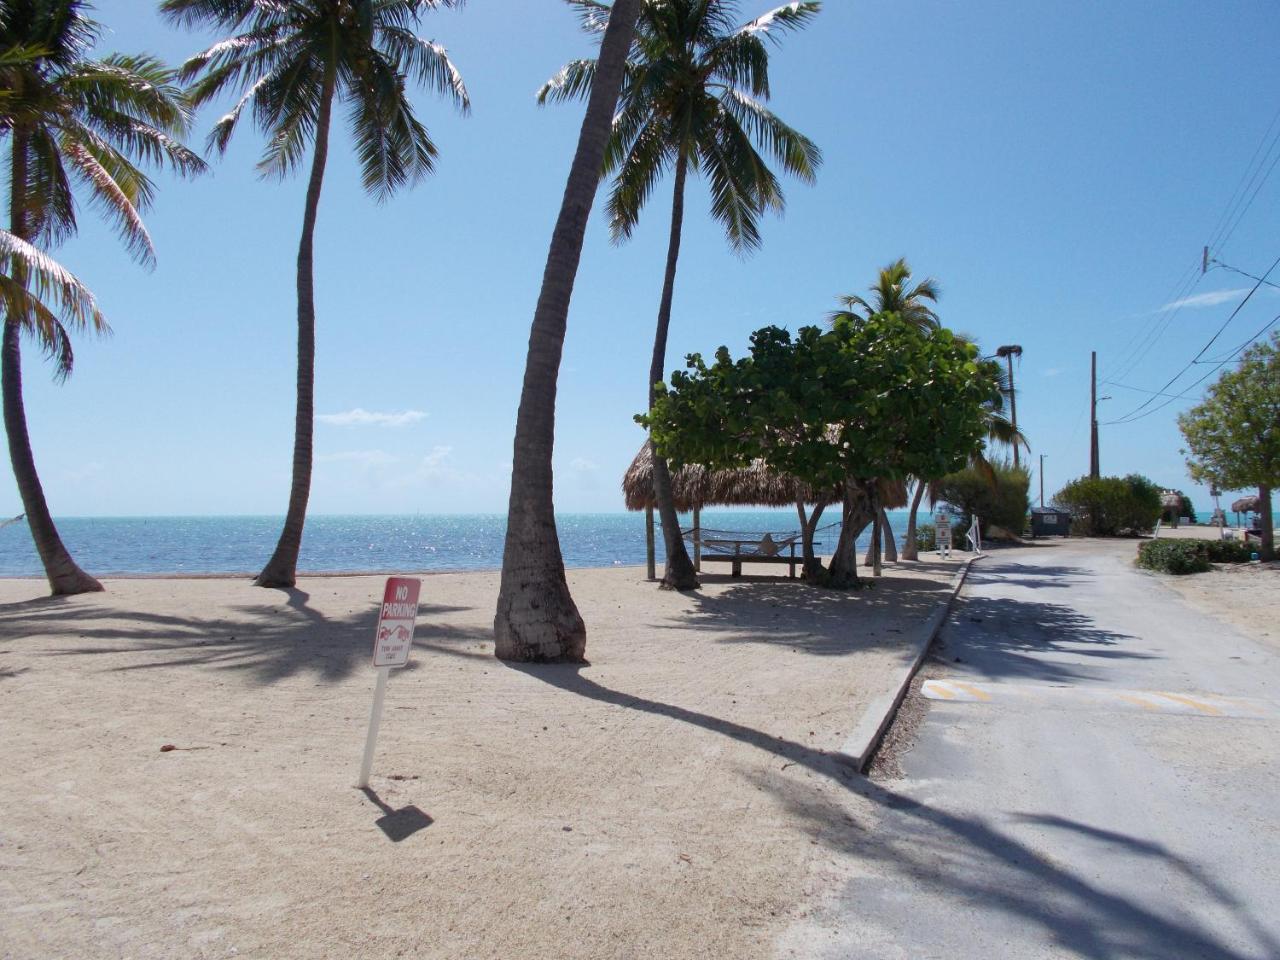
(693, 101)
(77, 128)
(1111, 506)
(536, 619)
(287, 61)
(870, 399)
(1233, 436)
(997, 493)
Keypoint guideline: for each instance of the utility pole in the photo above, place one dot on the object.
(1093, 415)
(1042, 479)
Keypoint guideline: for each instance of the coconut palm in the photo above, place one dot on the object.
(892, 293)
(75, 125)
(1007, 353)
(287, 61)
(693, 101)
(536, 617)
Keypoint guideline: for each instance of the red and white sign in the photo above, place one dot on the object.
(394, 636)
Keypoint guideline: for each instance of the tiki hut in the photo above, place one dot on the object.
(1246, 505)
(693, 487)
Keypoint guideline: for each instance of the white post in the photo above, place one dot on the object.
(375, 719)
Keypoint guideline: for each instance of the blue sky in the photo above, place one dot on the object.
(1056, 166)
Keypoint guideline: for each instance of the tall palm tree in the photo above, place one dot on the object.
(74, 124)
(288, 60)
(1007, 353)
(693, 101)
(536, 619)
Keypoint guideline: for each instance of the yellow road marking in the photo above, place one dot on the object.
(972, 691)
(1144, 704)
(1194, 704)
(938, 688)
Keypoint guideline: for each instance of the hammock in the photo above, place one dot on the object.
(746, 543)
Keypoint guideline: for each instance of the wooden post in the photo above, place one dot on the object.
(651, 559)
(697, 537)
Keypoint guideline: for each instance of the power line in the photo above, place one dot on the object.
(1133, 414)
(1246, 180)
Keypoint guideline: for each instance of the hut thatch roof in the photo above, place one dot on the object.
(694, 485)
(1246, 505)
(1171, 500)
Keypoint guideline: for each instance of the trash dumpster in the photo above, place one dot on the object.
(1050, 522)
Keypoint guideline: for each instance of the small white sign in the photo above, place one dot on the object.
(394, 637)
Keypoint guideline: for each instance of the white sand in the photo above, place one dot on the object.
(643, 806)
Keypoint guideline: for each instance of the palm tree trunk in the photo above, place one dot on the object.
(536, 618)
(679, 573)
(65, 577)
(282, 569)
(1267, 551)
(911, 549)
(886, 537)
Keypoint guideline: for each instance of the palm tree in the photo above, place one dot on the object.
(536, 619)
(1007, 353)
(892, 293)
(287, 61)
(693, 100)
(72, 122)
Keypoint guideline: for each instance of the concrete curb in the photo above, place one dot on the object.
(875, 720)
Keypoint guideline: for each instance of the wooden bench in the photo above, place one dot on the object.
(748, 551)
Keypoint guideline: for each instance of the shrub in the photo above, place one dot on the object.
(1173, 556)
(1190, 556)
(1003, 503)
(926, 538)
(1110, 506)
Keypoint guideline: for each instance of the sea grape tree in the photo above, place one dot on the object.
(872, 398)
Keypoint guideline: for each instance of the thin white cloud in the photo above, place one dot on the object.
(1051, 372)
(1210, 299)
(368, 458)
(359, 417)
(583, 465)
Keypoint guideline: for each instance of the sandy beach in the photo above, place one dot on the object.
(638, 806)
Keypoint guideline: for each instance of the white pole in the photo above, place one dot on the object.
(375, 719)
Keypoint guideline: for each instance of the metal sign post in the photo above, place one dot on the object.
(392, 641)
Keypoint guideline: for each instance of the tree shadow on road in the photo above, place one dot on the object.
(963, 862)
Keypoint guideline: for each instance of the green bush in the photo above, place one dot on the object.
(926, 538)
(1111, 506)
(1191, 556)
(1173, 556)
(1003, 503)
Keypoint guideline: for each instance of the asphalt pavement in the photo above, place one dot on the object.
(1094, 774)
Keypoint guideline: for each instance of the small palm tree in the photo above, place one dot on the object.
(693, 101)
(892, 293)
(287, 60)
(74, 124)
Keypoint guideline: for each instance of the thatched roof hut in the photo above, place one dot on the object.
(694, 486)
(1246, 505)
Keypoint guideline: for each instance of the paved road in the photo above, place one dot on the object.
(1097, 776)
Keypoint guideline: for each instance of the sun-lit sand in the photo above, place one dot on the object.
(642, 806)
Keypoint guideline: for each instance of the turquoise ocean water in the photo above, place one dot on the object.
(148, 545)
